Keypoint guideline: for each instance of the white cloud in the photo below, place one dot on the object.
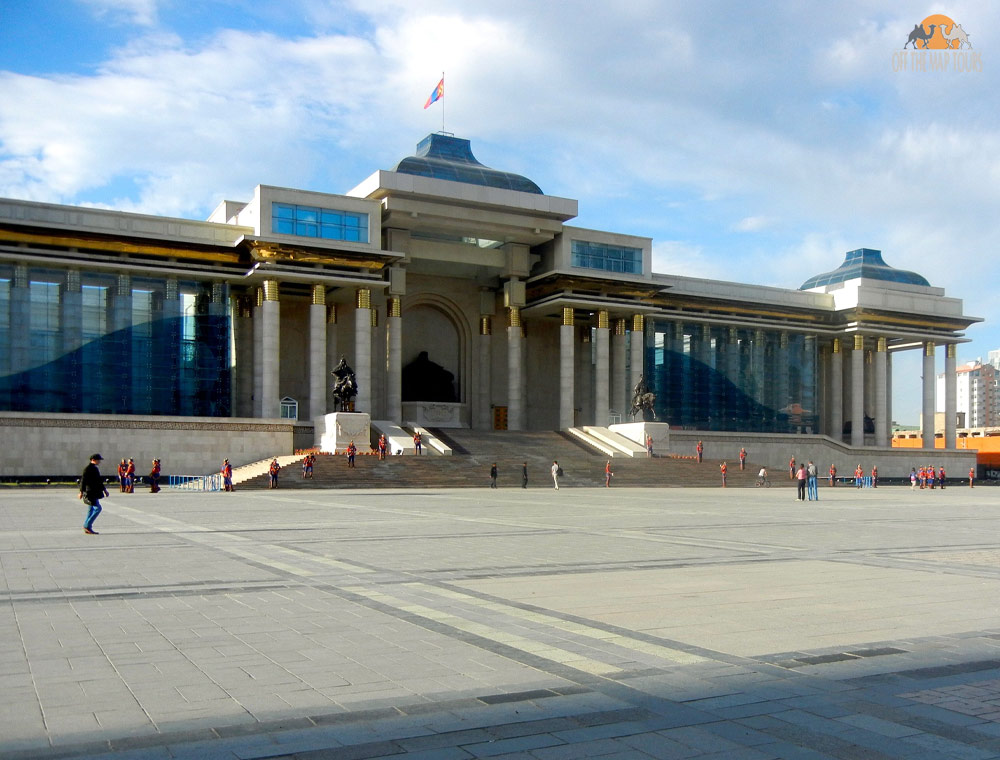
(753, 223)
(139, 12)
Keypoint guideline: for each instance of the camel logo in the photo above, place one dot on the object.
(938, 32)
(937, 44)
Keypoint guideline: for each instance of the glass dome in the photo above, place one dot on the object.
(867, 263)
(447, 157)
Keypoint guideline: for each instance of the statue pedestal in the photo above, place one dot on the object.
(335, 431)
(637, 431)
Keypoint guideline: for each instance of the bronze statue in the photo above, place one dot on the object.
(642, 399)
(345, 387)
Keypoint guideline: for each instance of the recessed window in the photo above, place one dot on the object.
(289, 408)
(607, 258)
(315, 222)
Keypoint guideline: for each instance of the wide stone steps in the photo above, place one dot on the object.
(469, 467)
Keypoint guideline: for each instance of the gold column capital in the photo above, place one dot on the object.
(859, 342)
(950, 351)
(513, 316)
(374, 317)
(259, 297)
(394, 307)
(929, 348)
(638, 323)
(485, 325)
(270, 290)
(602, 319)
(620, 326)
(363, 298)
(567, 316)
(836, 347)
(331, 314)
(883, 345)
(319, 295)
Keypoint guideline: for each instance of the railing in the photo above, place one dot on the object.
(195, 482)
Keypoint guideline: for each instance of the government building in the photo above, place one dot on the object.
(460, 295)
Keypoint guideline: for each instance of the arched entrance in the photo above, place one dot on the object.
(434, 363)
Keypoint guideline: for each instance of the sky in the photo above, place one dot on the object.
(753, 142)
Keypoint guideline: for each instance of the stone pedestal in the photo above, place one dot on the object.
(335, 431)
(637, 431)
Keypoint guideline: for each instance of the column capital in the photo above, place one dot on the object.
(270, 291)
(374, 317)
(513, 316)
(567, 316)
(331, 314)
(734, 336)
(319, 295)
(72, 284)
(638, 323)
(929, 348)
(619, 326)
(859, 342)
(835, 347)
(363, 298)
(485, 325)
(950, 350)
(882, 345)
(602, 319)
(783, 339)
(394, 307)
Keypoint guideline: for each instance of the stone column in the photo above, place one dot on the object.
(858, 392)
(950, 396)
(637, 358)
(567, 366)
(881, 392)
(394, 359)
(781, 396)
(514, 368)
(332, 357)
(930, 379)
(888, 398)
(837, 390)
(317, 352)
(585, 379)
(602, 406)
(270, 371)
(363, 349)
(379, 339)
(618, 355)
(172, 314)
(258, 353)
(484, 417)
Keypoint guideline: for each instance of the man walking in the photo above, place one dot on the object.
(92, 490)
(801, 477)
(524, 475)
(493, 475)
(555, 474)
(743, 458)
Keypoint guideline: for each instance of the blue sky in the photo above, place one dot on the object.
(752, 142)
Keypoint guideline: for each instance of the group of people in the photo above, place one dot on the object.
(556, 474)
(807, 477)
(127, 476)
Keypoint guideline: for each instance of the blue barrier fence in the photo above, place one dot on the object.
(195, 482)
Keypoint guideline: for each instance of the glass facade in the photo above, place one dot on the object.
(726, 378)
(607, 258)
(312, 221)
(83, 342)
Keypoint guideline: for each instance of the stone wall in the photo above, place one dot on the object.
(60, 444)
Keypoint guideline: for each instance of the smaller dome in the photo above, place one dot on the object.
(444, 156)
(867, 263)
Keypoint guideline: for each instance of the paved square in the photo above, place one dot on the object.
(626, 623)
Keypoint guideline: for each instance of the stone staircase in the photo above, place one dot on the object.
(476, 451)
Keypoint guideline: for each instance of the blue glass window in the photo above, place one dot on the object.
(311, 221)
(607, 258)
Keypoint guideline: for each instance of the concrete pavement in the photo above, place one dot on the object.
(676, 623)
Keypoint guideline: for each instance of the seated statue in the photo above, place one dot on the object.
(424, 380)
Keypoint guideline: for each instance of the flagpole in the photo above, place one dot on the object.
(442, 101)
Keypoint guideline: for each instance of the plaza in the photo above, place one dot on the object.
(463, 623)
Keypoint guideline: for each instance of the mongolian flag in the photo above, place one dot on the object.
(437, 94)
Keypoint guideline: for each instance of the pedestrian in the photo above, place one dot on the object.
(931, 474)
(130, 476)
(352, 451)
(941, 478)
(607, 474)
(649, 446)
(556, 469)
(874, 476)
(227, 475)
(743, 458)
(833, 475)
(524, 475)
(417, 441)
(154, 477)
(723, 469)
(273, 471)
(812, 481)
(92, 490)
(972, 476)
(913, 478)
(310, 460)
(791, 468)
(859, 476)
(922, 476)
(699, 450)
(801, 477)
(382, 446)
(762, 477)
(493, 475)
(122, 467)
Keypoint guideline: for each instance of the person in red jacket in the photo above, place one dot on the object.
(743, 458)
(130, 476)
(699, 450)
(227, 475)
(154, 477)
(833, 475)
(723, 469)
(972, 476)
(122, 467)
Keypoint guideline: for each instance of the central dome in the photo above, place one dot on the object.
(442, 156)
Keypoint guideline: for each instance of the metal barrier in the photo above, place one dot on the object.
(195, 482)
